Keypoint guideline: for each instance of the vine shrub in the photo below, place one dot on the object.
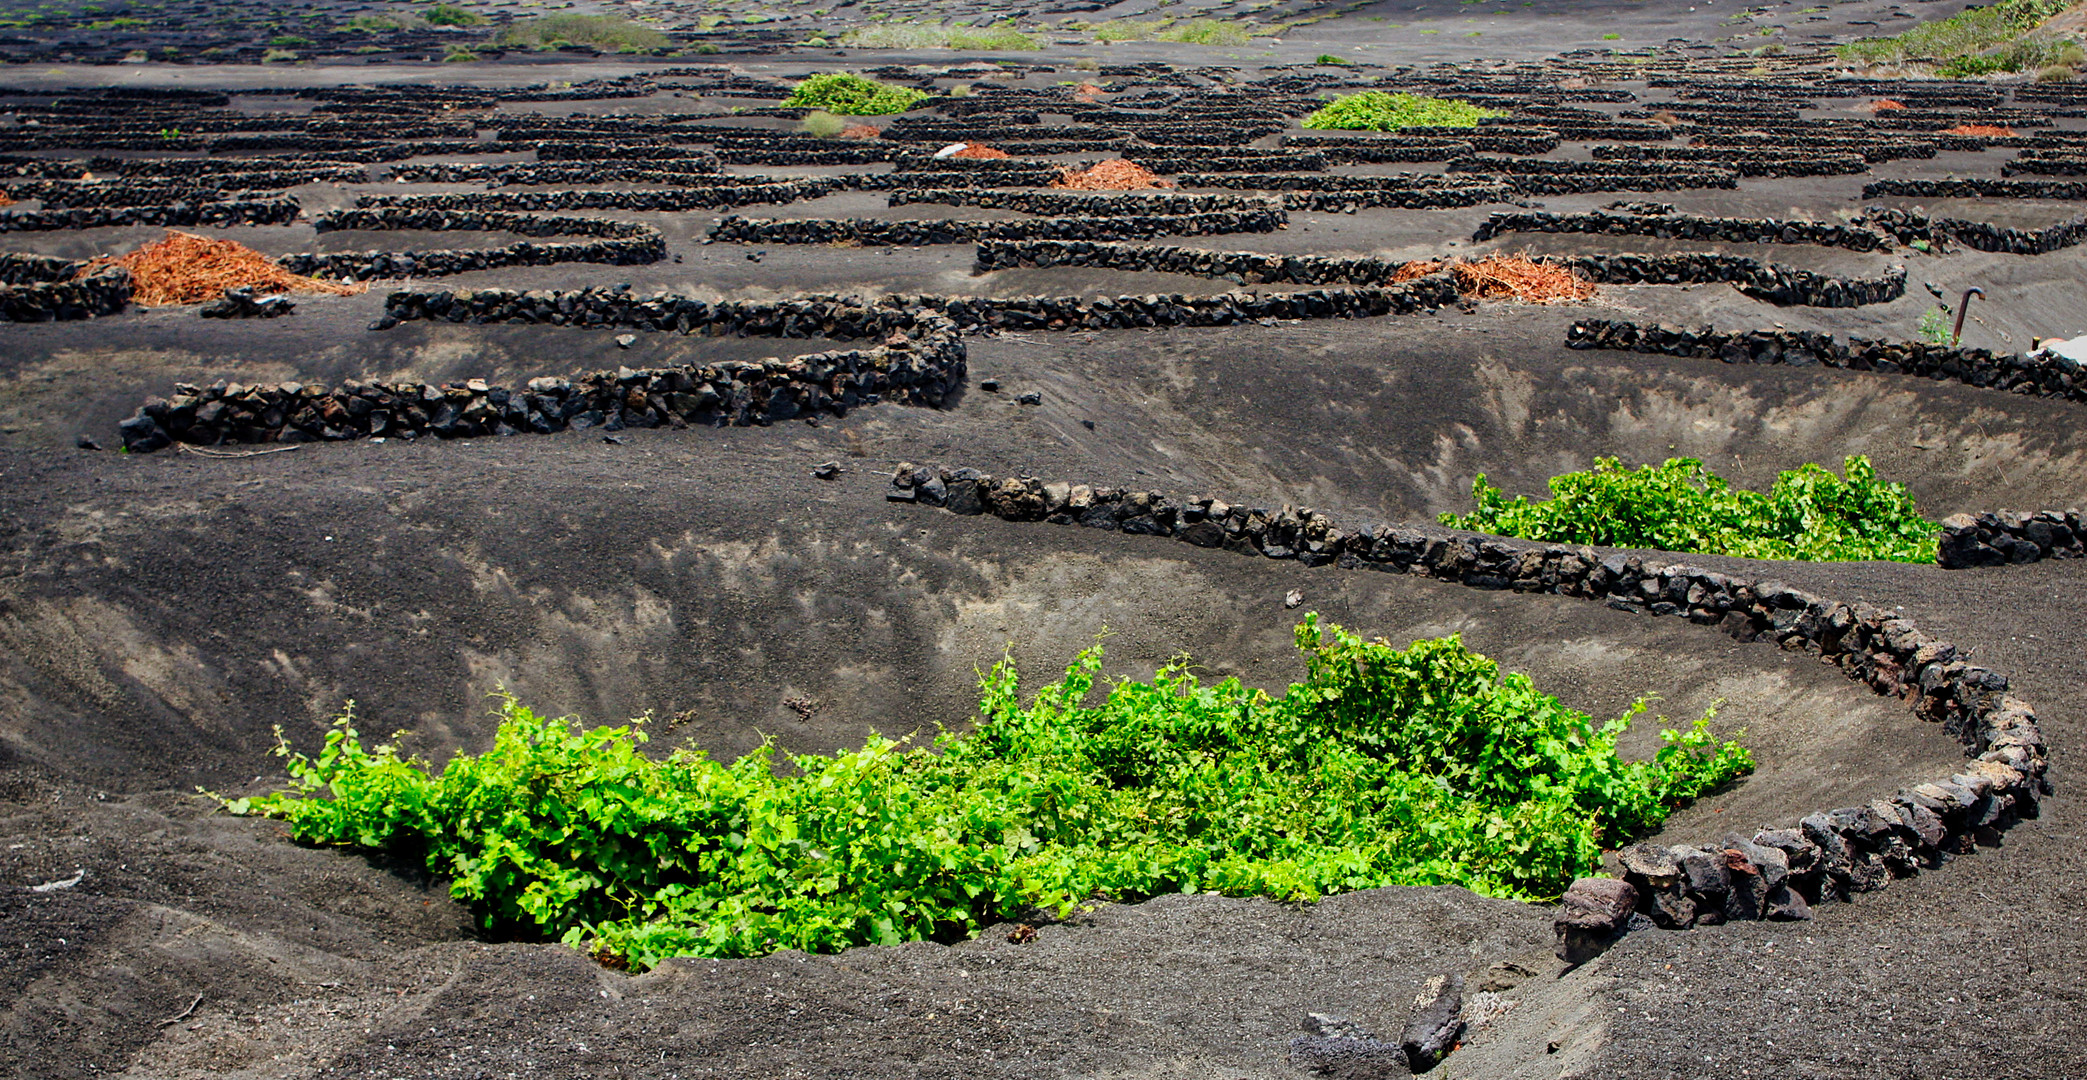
(852, 95)
(1419, 766)
(1375, 110)
(1808, 514)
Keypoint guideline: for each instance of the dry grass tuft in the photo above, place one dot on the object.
(1415, 269)
(1519, 277)
(185, 268)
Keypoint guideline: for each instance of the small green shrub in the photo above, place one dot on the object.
(452, 15)
(1419, 766)
(1972, 31)
(1332, 60)
(1375, 110)
(1809, 513)
(603, 33)
(1612, 37)
(822, 123)
(890, 35)
(289, 41)
(1206, 32)
(373, 24)
(1934, 327)
(852, 95)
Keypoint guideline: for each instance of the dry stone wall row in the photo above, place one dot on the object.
(684, 158)
(1673, 226)
(1385, 152)
(1745, 161)
(850, 318)
(623, 243)
(27, 298)
(881, 232)
(1777, 284)
(2030, 374)
(498, 174)
(1870, 149)
(1774, 874)
(2010, 536)
(1907, 226)
(1092, 204)
(1248, 267)
(722, 196)
(1977, 189)
(918, 369)
(1170, 164)
(1763, 281)
(2069, 165)
(227, 212)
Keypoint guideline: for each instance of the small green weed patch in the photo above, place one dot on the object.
(1375, 110)
(896, 35)
(1808, 514)
(1964, 34)
(603, 33)
(1386, 766)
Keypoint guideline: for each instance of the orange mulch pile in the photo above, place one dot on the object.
(1986, 130)
(6, 199)
(1088, 92)
(862, 131)
(188, 269)
(1115, 174)
(1519, 277)
(1882, 104)
(980, 153)
(1414, 269)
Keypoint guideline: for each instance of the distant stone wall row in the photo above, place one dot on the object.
(695, 197)
(1775, 873)
(1738, 230)
(1764, 281)
(497, 174)
(2011, 536)
(917, 368)
(1977, 189)
(2029, 374)
(1743, 160)
(1096, 204)
(623, 243)
(825, 316)
(1908, 227)
(1772, 282)
(882, 232)
(227, 212)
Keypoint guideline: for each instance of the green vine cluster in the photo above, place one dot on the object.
(1809, 513)
(1385, 766)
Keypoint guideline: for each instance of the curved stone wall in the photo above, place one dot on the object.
(1772, 874)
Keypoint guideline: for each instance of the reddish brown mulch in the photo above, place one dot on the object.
(1114, 174)
(1519, 277)
(185, 268)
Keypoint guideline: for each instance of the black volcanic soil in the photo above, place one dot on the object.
(161, 614)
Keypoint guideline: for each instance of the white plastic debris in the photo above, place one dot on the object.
(952, 150)
(62, 883)
(2074, 349)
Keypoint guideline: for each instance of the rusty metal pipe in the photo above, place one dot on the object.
(1956, 337)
